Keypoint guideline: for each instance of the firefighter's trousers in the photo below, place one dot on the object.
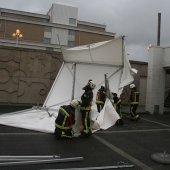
(86, 122)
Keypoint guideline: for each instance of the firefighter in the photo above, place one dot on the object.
(117, 106)
(65, 120)
(85, 108)
(134, 102)
(100, 98)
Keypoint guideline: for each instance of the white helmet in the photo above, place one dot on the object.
(74, 103)
(92, 84)
(132, 86)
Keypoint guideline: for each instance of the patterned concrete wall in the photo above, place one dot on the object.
(26, 75)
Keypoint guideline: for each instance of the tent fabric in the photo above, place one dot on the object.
(61, 91)
(108, 116)
(107, 52)
(92, 61)
(127, 75)
(33, 119)
(63, 84)
(39, 119)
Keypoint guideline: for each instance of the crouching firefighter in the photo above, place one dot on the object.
(65, 120)
(117, 106)
(85, 108)
(100, 98)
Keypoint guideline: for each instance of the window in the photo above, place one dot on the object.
(71, 32)
(2, 26)
(72, 21)
(47, 40)
(49, 49)
(47, 29)
(71, 43)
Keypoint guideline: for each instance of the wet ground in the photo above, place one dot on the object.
(130, 144)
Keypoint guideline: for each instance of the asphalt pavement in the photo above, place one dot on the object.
(130, 144)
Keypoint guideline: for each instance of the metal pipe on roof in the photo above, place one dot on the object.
(159, 29)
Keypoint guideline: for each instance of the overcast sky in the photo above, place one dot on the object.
(136, 19)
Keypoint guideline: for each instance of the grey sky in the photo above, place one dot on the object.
(136, 19)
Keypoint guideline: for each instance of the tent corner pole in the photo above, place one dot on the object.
(123, 50)
(74, 78)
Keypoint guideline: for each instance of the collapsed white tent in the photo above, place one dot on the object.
(82, 63)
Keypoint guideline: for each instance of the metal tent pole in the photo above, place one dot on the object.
(30, 157)
(33, 162)
(74, 78)
(98, 168)
(107, 87)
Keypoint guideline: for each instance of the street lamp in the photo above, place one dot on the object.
(18, 35)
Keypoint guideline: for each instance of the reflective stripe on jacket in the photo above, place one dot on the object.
(85, 108)
(62, 127)
(65, 118)
(99, 102)
(100, 97)
(135, 98)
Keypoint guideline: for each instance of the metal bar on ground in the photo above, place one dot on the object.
(97, 168)
(30, 157)
(41, 161)
(19, 160)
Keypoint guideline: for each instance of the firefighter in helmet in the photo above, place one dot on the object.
(117, 106)
(65, 120)
(100, 98)
(134, 102)
(85, 108)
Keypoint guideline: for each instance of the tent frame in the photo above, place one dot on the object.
(120, 67)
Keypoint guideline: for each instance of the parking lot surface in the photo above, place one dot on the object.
(130, 144)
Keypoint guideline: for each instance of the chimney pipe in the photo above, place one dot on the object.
(159, 29)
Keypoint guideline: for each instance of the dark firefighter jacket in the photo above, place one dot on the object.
(65, 118)
(86, 98)
(134, 97)
(100, 97)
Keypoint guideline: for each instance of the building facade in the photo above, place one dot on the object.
(158, 84)
(29, 63)
(59, 27)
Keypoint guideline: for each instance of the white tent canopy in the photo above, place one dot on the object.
(82, 63)
(63, 86)
(107, 52)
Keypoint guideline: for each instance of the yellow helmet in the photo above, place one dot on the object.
(132, 86)
(92, 84)
(74, 103)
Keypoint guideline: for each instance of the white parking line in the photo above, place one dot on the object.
(133, 131)
(156, 122)
(23, 134)
(98, 132)
(122, 153)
